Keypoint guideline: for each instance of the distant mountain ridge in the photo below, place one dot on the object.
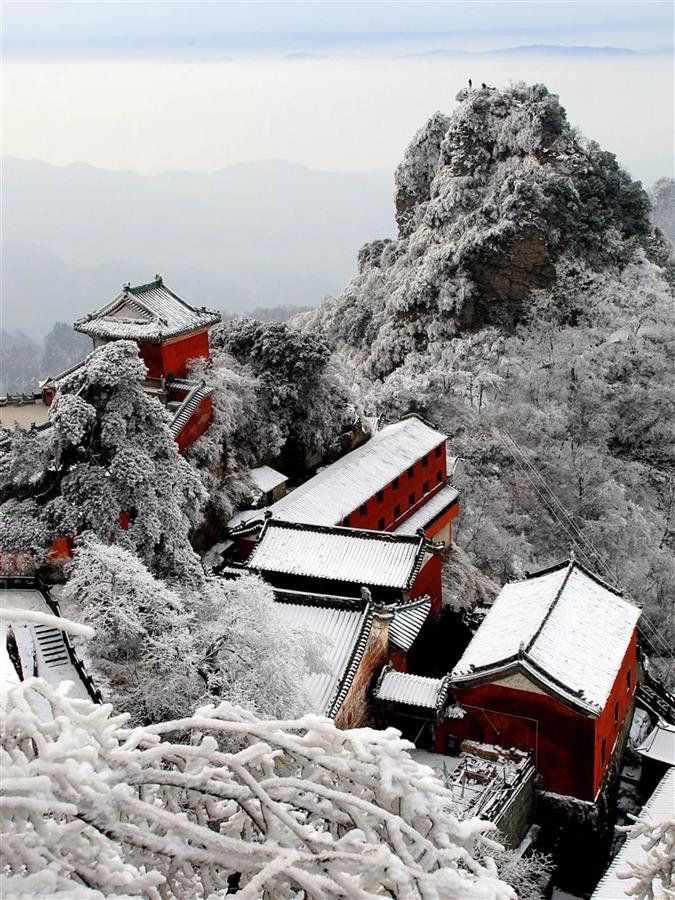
(265, 233)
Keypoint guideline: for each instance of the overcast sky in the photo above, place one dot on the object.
(199, 86)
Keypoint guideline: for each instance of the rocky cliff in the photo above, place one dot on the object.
(490, 201)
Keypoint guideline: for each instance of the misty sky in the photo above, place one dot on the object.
(337, 86)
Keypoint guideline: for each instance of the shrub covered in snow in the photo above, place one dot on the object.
(163, 648)
(93, 808)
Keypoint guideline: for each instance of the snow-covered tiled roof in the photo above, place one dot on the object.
(147, 312)
(660, 745)
(344, 634)
(338, 554)
(412, 690)
(407, 622)
(339, 489)
(184, 412)
(423, 517)
(660, 808)
(266, 478)
(42, 648)
(564, 627)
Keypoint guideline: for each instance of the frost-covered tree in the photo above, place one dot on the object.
(164, 649)
(109, 453)
(651, 876)
(92, 808)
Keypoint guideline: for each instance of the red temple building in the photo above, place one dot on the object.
(169, 333)
(395, 484)
(552, 669)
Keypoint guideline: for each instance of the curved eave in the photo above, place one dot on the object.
(518, 664)
(95, 328)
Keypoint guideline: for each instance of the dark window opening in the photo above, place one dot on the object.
(363, 509)
(411, 471)
(616, 713)
(439, 450)
(425, 487)
(603, 752)
(425, 462)
(380, 496)
(629, 677)
(439, 477)
(397, 512)
(380, 524)
(411, 500)
(395, 483)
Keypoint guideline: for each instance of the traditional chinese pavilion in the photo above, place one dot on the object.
(552, 669)
(169, 333)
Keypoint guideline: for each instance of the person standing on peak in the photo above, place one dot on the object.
(470, 84)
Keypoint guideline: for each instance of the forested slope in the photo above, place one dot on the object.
(527, 307)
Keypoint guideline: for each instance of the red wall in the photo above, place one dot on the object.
(151, 354)
(429, 582)
(605, 727)
(435, 469)
(171, 358)
(442, 521)
(196, 425)
(562, 741)
(176, 354)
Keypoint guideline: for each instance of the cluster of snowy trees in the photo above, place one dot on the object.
(163, 647)
(528, 297)
(108, 458)
(220, 802)
(278, 397)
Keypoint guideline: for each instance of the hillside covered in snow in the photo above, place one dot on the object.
(526, 307)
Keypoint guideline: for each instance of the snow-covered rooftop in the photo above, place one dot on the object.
(432, 509)
(339, 489)
(407, 622)
(147, 312)
(266, 478)
(339, 554)
(344, 634)
(412, 690)
(564, 627)
(660, 808)
(42, 648)
(198, 391)
(660, 745)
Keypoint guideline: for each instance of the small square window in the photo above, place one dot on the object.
(380, 496)
(395, 483)
(346, 522)
(411, 500)
(425, 487)
(411, 471)
(363, 509)
(397, 512)
(439, 451)
(380, 524)
(425, 462)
